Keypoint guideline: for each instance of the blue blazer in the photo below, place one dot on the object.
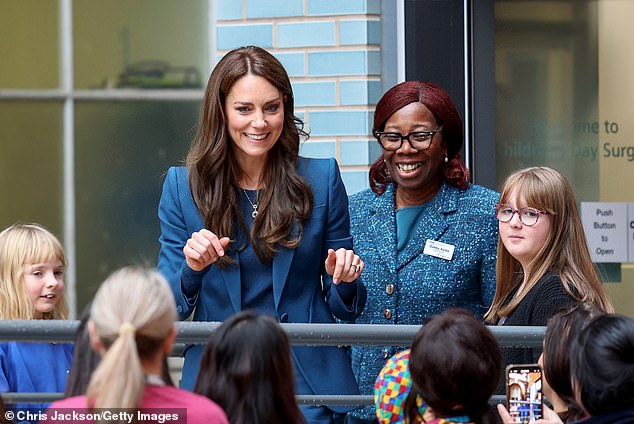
(303, 292)
(408, 287)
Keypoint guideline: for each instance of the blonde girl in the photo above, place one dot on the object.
(32, 265)
(132, 326)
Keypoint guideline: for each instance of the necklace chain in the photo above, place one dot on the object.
(253, 205)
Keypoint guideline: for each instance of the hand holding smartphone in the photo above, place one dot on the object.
(524, 393)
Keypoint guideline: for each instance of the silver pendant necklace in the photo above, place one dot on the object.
(253, 205)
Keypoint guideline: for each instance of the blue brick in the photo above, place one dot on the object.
(228, 9)
(322, 93)
(318, 149)
(343, 7)
(293, 63)
(301, 114)
(273, 8)
(306, 34)
(355, 62)
(374, 62)
(233, 36)
(354, 152)
(359, 32)
(355, 181)
(359, 92)
(335, 123)
(375, 151)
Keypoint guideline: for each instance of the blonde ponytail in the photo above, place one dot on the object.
(133, 313)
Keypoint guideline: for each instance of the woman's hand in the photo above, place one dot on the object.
(550, 416)
(343, 265)
(204, 248)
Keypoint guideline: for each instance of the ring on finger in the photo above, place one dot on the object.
(355, 268)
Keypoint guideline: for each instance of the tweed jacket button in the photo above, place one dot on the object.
(389, 289)
(387, 313)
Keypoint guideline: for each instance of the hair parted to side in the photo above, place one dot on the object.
(133, 312)
(214, 172)
(563, 329)
(247, 369)
(455, 364)
(564, 253)
(602, 364)
(444, 110)
(22, 244)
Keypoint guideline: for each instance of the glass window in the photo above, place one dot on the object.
(121, 148)
(565, 97)
(122, 152)
(140, 44)
(31, 164)
(547, 89)
(29, 45)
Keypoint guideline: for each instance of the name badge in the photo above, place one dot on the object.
(439, 249)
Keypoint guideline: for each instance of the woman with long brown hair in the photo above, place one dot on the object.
(249, 224)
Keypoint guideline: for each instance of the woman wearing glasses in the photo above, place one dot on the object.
(427, 236)
(543, 258)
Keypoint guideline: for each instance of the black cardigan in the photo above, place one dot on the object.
(545, 298)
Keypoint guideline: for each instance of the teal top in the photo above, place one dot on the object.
(406, 220)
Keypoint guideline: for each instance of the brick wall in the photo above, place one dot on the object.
(331, 51)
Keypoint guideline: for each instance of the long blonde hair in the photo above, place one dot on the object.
(564, 253)
(133, 312)
(22, 244)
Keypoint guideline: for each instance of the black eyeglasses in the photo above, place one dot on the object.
(419, 140)
(528, 216)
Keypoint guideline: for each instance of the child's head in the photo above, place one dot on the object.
(602, 364)
(247, 369)
(549, 237)
(395, 399)
(548, 191)
(131, 319)
(563, 329)
(455, 364)
(32, 265)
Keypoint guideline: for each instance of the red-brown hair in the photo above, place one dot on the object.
(444, 110)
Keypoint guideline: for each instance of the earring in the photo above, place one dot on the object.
(446, 158)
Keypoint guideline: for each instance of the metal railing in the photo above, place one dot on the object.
(298, 334)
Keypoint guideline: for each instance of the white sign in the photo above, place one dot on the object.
(630, 231)
(606, 226)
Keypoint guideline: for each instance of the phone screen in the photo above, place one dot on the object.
(524, 392)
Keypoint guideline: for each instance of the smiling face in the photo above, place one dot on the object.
(44, 285)
(417, 174)
(255, 118)
(521, 241)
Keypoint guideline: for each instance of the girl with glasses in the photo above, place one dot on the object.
(543, 259)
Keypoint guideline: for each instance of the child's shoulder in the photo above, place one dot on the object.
(172, 397)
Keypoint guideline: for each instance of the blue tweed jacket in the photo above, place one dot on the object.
(408, 288)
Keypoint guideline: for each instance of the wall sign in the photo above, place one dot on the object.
(609, 228)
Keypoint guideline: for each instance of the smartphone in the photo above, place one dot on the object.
(524, 392)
